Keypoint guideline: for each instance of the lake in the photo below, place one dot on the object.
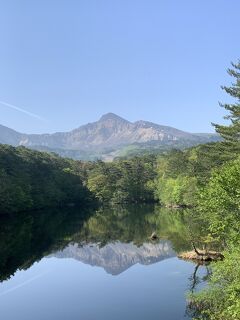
(83, 265)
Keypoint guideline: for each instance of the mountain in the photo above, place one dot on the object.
(9, 136)
(117, 257)
(107, 136)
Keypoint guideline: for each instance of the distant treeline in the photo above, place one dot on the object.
(173, 178)
(33, 180)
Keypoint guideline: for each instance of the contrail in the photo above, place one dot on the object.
(22, 110)
(23, 284)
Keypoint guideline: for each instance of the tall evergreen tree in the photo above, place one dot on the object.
(231, 133)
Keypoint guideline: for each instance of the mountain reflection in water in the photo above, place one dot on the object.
(117, 257)
(47, 257)
(112, 238)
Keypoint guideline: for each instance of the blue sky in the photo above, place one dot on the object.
(70, 61)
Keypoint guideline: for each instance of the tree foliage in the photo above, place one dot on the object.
(181, 174)
(220, 201)
(31, 180)
(123, 181)
(231, 133)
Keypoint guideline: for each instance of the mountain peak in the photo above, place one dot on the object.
(111, 116)
(111, 132)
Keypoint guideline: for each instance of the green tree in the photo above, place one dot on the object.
(231, 133)
(220, 202)
(220, 206)
(33, 180)
(123, 181)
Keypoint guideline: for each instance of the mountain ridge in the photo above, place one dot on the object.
(109, 132)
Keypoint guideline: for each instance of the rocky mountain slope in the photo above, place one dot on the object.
(107, 135)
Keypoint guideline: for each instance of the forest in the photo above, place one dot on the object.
(205, 178)
(34, 180)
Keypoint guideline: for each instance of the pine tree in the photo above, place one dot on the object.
(231, 133)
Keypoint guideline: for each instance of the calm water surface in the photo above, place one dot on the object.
(79, 265)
